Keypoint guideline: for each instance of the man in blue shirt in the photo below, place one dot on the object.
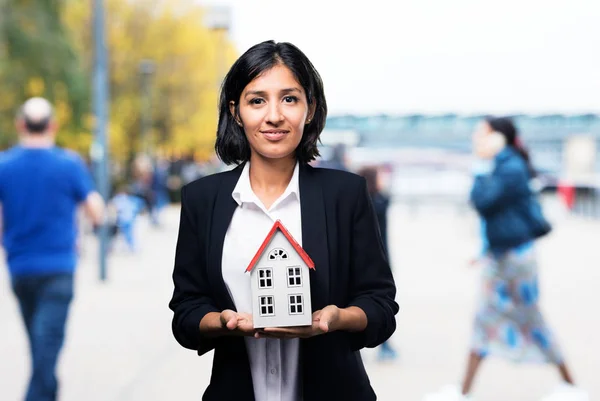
(41, 187)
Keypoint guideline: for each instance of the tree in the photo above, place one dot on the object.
(184, 85)
(37, 59)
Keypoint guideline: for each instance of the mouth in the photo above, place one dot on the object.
(274, 134)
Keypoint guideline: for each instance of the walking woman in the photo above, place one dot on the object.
(272, 110)
(508, 322)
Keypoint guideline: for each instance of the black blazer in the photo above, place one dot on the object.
(339, 233)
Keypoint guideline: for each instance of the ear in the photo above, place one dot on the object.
(20, 125)
(234, 114)
(53, 127)
(312, 108)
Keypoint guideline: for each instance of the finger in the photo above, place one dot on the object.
(232, 324)
(224, 317)
(287, 329)
(231, 320)
(267, 335)
(288, 332)
(246, 328)
(325, 320)
(261, 333)
(315, 329)
(278, 330)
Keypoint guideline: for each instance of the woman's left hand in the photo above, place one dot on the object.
(323, 321)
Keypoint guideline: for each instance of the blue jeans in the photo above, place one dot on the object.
(127, 229)
(44, 302)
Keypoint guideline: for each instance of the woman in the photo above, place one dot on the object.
(272, 110)
(508, 322)
(381, 204)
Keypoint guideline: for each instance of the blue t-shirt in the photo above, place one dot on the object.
(40, 189)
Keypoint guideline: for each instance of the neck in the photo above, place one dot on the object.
(271, 176)
(37, 141)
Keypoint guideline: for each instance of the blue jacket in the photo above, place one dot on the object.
(502, 199)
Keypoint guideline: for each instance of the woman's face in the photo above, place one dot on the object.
(486, 142)
(483, 128)
(273, 110)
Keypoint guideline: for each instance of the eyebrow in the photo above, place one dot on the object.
(263, 93)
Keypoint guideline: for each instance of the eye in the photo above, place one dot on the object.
(290, 99)
(256, 100)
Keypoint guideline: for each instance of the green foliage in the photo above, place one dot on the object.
(46, 49)
(38, 59)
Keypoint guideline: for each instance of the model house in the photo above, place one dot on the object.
(280, 281)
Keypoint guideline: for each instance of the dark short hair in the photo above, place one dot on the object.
(232, 145)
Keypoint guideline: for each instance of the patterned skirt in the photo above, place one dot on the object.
(508, 322)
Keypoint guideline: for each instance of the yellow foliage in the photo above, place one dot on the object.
(35, 87)
(184, 85)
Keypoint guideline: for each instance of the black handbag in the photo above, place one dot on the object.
(539, 225)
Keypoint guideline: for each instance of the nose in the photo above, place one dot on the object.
(274, 115)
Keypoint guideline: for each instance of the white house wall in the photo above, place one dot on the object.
(280, 290)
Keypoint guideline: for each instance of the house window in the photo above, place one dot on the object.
(267, 308)
(296, 305)
(265, 278)
(278, 254)
(294, 276)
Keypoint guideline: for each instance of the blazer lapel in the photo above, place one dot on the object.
(314, 235)
(222, 214)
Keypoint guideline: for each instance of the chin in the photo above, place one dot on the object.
(277, 154)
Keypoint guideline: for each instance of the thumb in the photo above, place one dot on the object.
(325, 319)
(229, 319)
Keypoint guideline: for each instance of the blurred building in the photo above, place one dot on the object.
(430, 155)
(545, 135)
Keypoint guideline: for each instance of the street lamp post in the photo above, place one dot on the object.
(146, 69)
(99, 150)
(218, 19)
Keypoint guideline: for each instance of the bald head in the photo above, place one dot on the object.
(36, 115)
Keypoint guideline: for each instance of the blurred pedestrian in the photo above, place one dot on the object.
(160, 189)
(508, 322)
(191, 170)
(142, 185)
(41, 187)
(338, 159)
(381, 203)
(126, 207)
(272, 110)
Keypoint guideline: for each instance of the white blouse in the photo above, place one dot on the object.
(274, 363)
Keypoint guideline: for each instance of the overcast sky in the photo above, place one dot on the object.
(435, 56)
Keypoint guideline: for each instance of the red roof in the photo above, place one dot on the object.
(297, 247)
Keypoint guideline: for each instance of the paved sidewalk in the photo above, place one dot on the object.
(120, 348)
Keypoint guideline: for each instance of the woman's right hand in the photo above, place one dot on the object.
(237, 323)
